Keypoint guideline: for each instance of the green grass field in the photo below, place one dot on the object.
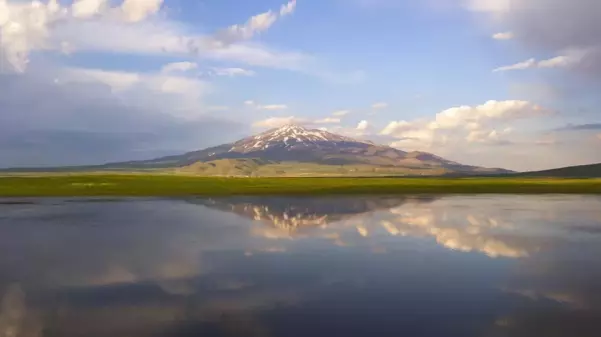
(174, 185)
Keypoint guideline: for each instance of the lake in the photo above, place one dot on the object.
(377, 266)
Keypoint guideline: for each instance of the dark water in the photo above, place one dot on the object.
(365, 266)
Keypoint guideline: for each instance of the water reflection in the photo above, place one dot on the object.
(480, 227)
(387, 266)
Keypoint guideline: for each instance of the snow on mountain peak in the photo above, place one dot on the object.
(288, 136)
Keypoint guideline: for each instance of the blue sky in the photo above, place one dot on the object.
(484, 82)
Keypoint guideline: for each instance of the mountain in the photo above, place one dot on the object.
(583, 171)
(293, 150)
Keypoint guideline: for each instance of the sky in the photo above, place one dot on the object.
(495, 83)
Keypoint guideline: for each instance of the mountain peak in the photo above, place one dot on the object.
(289, 136)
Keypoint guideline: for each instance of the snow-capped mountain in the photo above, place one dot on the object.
(294, 143)
(290, 137)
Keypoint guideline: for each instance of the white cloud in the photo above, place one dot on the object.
(179, 67)
(92, 25)
(288, 8)
(257, 106)
(132, 28)
(340, 113)
(396, 127)
(559, 61)
(464, 123)
(363, 125)
(379, 106)
(87, 8)
(232, 72)
(491, 110)
(486, 136)
(563, 61)
(276, 122)
(531, 63)
(328, 120)
(256, 24)
(272, 107)
(23, 28)
(138, 10)
(503, 36)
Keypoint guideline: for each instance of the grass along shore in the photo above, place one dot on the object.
(173, 185)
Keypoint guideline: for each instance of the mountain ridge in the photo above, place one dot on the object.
(583, 171)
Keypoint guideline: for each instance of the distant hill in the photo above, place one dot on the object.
(583, 171)
(293, 150)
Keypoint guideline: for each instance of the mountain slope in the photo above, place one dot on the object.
(583, 171)
(293, 143)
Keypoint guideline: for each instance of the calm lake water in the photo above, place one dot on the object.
(307, 267)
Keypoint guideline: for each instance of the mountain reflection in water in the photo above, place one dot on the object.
(284, 266)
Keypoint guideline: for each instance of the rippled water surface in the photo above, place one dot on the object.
(307, 267)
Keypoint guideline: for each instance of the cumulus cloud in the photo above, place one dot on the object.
(485, 136)
(489, 123)
(87, 8)
(138, 10)
(466, 135)
(362, 126)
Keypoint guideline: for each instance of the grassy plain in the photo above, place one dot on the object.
(102, 184)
